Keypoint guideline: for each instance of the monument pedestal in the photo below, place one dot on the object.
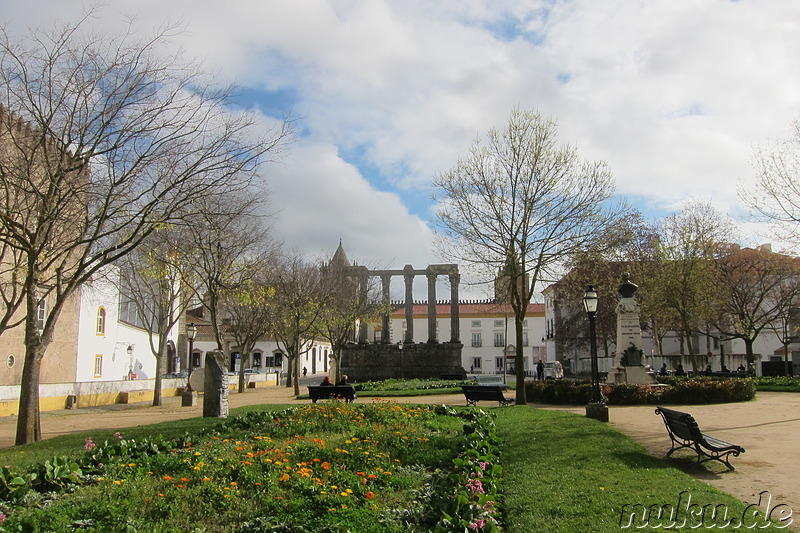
(598, 411)
(637, 375)
(189, 398)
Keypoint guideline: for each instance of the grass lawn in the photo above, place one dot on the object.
(560, 472)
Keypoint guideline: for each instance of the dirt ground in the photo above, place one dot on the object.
(768, 428)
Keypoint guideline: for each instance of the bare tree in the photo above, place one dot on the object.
(295, 318)
(776, 195)
(522, 204)
(227, 241)
(103, 141)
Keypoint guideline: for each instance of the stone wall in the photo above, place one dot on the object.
(371, 362)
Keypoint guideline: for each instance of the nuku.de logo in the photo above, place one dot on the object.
(686, 514)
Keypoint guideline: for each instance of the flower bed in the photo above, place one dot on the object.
(324, 467)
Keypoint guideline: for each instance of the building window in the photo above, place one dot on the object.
(524, 338)
(377, 336)
(98, 366)
(499, 323)
(476, 323)
(101, 321)
(499, 340)
(476, 340)
(498, 363)
(476, 363)
(41, 314)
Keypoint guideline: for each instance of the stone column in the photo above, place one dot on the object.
(215, 396)
(363, 282)
(455, 330)
(385, 280)
(431, 306)
(409, 279)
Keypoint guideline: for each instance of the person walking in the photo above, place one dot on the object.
(540, 370)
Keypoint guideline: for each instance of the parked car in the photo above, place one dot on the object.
(553, 370)
(183, 374)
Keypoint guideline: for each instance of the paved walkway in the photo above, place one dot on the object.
(768, 428)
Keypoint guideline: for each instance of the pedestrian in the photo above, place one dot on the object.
(540, 370)
(305, 371)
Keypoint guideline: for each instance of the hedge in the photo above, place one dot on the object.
(686, 391)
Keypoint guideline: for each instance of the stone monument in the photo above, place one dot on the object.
(215, 387)
(629, 364)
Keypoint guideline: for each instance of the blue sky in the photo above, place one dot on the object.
(385, 94)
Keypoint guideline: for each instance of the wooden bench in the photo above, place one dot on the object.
(492, 393)
(685, 433)
(319, 392)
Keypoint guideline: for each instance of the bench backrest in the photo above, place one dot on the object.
(490, 380)
(483, 392)
(326, 391)
(681, 424)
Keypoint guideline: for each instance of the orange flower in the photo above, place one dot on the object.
(167, 478)
(185, 479)
(369, 495)
(326, 465)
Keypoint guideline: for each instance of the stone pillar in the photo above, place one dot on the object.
(409, 279)
(385, 280)
(215, 396)
(431, 307)
(363, 283)
(455, 330)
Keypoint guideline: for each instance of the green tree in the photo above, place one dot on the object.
(350, 298)
(295, 318)
(521, 204)
(682, 284)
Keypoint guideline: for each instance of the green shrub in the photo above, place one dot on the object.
(694, 390)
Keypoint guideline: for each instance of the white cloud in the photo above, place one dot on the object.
(673, 95)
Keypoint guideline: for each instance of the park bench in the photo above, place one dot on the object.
(492, 393)
(319, 392)
(685, 433)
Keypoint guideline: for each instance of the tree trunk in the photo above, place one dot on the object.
(520, 398)
(296, 376)
(29, 427)
(157, 396)
(289, 368)
(748, 350)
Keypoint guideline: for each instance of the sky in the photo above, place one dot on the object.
(385, 94)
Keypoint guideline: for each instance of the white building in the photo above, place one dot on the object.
(486, 331)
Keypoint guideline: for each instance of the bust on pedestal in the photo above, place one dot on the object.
(629, 364)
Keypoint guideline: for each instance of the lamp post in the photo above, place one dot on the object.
(130, 361)
(191, 333)
(596, 408)
(189, 396)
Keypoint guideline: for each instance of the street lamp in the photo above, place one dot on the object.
(130, 361)
(596, 407)
(191, 333)
(189, 396)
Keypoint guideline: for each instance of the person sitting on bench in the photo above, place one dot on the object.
(343, 381)
(326, 382)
